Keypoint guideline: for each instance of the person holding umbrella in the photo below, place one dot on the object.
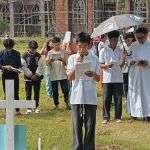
(111, 58)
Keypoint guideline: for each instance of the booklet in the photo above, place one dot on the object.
(67, 37)
(56, 56)
(81, 69)
(16, 70)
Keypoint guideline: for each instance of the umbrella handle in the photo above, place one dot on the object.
(122, 44)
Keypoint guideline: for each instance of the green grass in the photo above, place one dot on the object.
(56, 127)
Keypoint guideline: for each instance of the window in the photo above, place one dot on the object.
(141, 8)
(103, 9)
(35, 14)
(77, 16)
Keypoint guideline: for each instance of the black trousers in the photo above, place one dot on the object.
(36, 87)
(64, 87)
(114, 90)
(86, 120)
(16, 86)
(125, 84)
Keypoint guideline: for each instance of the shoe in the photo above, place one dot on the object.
(134, 118)
(118, 121)
(18, 113)
(29, 111)
(104, 121)
(37, 110)
(56, 107)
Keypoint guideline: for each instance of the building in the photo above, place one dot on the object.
(45, 17)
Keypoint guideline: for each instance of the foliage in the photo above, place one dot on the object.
(3, 25)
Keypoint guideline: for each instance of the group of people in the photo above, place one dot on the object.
(122, 69)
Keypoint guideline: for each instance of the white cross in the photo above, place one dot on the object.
(10, 104)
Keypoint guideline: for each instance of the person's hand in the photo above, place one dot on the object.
(62, 60)
(7, 67)
(79, 59)
(133, 62)
(108, 66)
(142, 63)
(90, 73)
(50, 60)
(34, 78)
(125, 56)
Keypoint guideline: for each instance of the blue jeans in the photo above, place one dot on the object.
(48, 81)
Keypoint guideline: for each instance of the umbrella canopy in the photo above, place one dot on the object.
(117, 22)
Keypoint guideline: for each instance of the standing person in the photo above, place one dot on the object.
(83, 95)
(103, 42)
(139, 73)
(94, 45)
(57, 60)
(10, 58)
(70, 47)
(129, 39)
(44, 51)
(32, 66)
(110, 60)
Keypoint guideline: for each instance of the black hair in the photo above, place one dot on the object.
(142, 30)
(103, 36)
(113, 34)
(33, 44)
(8, 43)
(129, 35)
(83, 38)
(56, 39)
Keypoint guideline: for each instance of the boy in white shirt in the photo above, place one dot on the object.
(83, 94)
(57, 60)
(110, 60)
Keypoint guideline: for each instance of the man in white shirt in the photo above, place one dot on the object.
(139, 74)
(83, 94)
(110, 60)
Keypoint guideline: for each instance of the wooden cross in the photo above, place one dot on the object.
(10, 104)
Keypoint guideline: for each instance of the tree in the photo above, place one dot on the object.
(3, 25)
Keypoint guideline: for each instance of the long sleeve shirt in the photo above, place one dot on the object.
(12, 58)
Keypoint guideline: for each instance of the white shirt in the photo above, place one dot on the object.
(108, 56)
(57, 69)
(83, 89)
(141, 51)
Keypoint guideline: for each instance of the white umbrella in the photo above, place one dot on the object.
(117, 22)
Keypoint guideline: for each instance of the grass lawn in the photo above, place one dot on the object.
(55, 125)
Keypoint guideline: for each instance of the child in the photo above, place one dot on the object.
(57, 60)
(44, 51)
(111, 58)
(83, 94)
(10, 58)
(32, 66)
